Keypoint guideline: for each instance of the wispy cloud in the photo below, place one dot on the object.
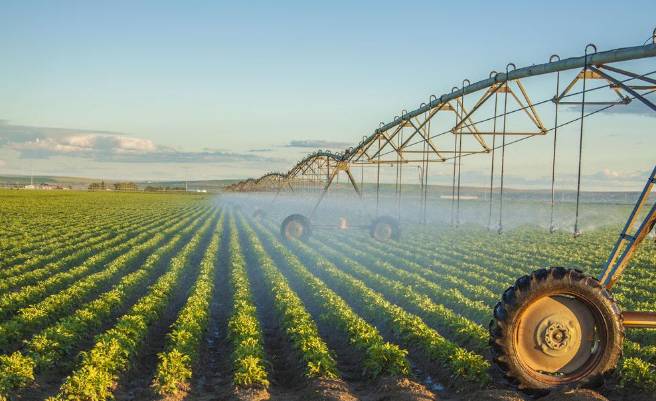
(606, 178)
(636, 107)
(317, 144)
(619, 176)
(44, 143)
(173, 156)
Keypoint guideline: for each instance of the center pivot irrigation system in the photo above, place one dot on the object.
(556, 326)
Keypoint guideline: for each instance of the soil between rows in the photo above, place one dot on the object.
(348, 359)
(214, 379)
(285, 371)
(48, 383)
(135, 384)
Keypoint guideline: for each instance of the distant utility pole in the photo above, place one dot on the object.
(32, 168)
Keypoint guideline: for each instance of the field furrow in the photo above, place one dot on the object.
(101, 368)
(36, 315)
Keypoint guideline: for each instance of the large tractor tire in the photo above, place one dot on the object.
(296, 226)
(385, 228)
(556, 328)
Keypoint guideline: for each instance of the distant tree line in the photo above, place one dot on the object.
(97, 186)
(126, 186)
(161, 188)
(119, 186)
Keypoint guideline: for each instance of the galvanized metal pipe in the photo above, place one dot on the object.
(611, 56)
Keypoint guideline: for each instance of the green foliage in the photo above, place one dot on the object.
(173, 372)
(294, 318)
(100, 367)
(639, 373)
(68, 271)
(415, 294)
(410, 329)
(37, 315)
(379, 357)
(244, 329)
(16, 370)
(46, 349)
(174, 369)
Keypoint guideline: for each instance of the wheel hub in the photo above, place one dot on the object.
(383, 232)
(556, 335)
(294, 230)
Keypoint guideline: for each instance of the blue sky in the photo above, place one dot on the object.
(232, 89)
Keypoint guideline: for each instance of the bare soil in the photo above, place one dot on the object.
(285, 370)
(215, 361)
(397, 389)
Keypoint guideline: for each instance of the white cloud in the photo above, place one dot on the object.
(636, 107)
(604, 179)
(86, 144)
(610, 173)
(135, 144)
(317, 144)
(44, 143)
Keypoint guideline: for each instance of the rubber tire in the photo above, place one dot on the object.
(394, 224)
(537, 284)
(302, 220)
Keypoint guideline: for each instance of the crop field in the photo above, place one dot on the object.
(159, 296)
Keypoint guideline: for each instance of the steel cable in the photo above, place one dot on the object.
(552, 228)
(578, 176)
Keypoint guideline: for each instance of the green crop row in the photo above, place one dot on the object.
(30, 276)
(452, 297)
(380, 357)
(29, 295)
(244, 329)
(408, 328)
(52, 254)
(174, 369)
(59, 341)
(294, 318)
(60, 219)
(447, 275)
(99, 368)
(412, 294)
(58, 241)
(37, 315)
(36, 233)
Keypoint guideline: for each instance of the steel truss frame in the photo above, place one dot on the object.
(408, 138)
